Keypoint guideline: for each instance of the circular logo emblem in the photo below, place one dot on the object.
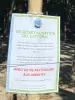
(37, 23)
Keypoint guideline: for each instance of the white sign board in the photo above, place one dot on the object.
(34, 50)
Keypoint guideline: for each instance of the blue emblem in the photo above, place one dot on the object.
(37, 23)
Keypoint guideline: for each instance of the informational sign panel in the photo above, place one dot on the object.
(33, 55)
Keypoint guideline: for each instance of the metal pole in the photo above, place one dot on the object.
(35, 7)
(14, 96)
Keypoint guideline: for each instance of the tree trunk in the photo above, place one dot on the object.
(73, 66)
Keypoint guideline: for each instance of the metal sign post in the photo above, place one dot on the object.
(35, 7)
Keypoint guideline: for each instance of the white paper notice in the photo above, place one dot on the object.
(34, 50)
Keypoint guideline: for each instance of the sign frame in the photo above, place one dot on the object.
(58, 57)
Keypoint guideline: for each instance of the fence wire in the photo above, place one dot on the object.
(61, 62)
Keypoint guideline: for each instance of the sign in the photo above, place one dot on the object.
(34, 50)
